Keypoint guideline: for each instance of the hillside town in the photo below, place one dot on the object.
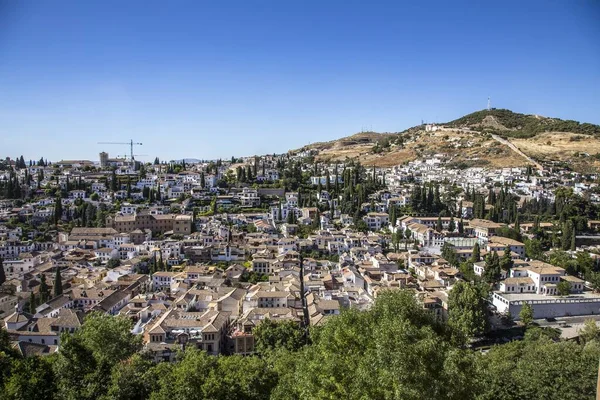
(201, 253)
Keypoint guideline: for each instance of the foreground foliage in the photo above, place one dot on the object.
(394, 351)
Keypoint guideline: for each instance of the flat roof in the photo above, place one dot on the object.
(542, 297)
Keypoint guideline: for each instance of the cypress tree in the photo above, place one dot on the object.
(567, 235)
(476, 256)
(429, 206)
(392, 214)
(32, 303)
(337, 183)
(113, 181)
(437, 200)
(452, 225)
(492, 272)
(44, 291)
(506, 262)
(161, 264)
(332, 210)
(58, 210)
(2, 273)
(317, 221)
(58, 290)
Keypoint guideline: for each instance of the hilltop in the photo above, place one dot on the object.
(513, 124)
(494, 138)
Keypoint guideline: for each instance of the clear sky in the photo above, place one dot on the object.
(210, 79)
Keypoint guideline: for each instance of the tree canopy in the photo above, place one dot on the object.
(395, 350)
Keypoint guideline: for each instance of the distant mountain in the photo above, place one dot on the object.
(487, 138)
(187, 161)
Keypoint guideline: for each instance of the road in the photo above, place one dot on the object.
(516, 150)
(501, 141)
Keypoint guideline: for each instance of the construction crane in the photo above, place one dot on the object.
(131, 143)
(135, 155)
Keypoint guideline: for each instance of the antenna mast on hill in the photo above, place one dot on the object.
(489, 104)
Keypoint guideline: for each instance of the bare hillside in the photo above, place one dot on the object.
(495, 138)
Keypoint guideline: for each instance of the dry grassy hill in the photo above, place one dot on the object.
(476, 140)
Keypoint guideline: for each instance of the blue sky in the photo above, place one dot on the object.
(214, 79)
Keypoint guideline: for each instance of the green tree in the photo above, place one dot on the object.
(449, 254)
(590, 331)
(533, 249)
(467, 309)
(2, 272)
(452, 225)
(58, 209)
(407, 237)
(270, 335)
(476, 256)
(113, 181)
(523, 370)
(567, 235)
(526, 314)
(199, 376)
(563, 288)
(132, 379)
(58, 289)
(506, 261)
(387, 342)
(32, 303)
(492, 272)
(83, 365)
(78, 374)
(30, 378)
(109, 337)
(44, 290)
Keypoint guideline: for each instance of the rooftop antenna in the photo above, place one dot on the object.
(489, 104)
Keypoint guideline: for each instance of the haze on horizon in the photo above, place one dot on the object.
(209, 80)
